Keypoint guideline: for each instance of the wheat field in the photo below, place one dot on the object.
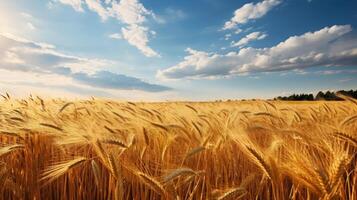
(99, 149)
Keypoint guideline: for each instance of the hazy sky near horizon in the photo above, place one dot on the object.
(177, 50)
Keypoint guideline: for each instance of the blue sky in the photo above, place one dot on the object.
(177, 50)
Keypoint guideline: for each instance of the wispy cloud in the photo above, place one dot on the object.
(325, 47)
(333, 72)
(26, 15)
(170, 15)
(250, 11)
(116, 36)
(345, 80)
(249, 38)
(139, 36)
(131, 13)
(30, 26)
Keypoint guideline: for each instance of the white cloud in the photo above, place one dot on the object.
(75, 4)
(131, 13)
(227, 36)
(249, 38)
(22, 56)
(25, 55)
(238, 30)
(345, 80)
(22, 84)
(116, 36)
(96, 6)
(325, 47)
(30, 26)
(138, 36)
(26, 15)
(333, 72)
(249, 12)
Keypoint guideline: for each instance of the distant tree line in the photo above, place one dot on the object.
(329, 96)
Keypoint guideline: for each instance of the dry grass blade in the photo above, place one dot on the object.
(96, 172)
(152, 183)
(65, 106)
(3, 96)
(12, 134)
(265, 114)
(192, 108)
(17, 119)
(194, 151)
(348, 120)
(109, 129)
(120, 116)
(8, 149)
(346, 137)
(160, 126)
(146, 136)
(51, 126)
(114, 141)
(57, 170)
(113, 166)
(178, 172)
(233, 194)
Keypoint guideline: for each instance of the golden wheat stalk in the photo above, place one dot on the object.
(233, 194)
(194, 151)
(8, 149)
(152, 183)
(177, 173)
(346, 137)
(259, 160)
(96, 172)
(57, 170)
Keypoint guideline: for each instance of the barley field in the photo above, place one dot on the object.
(99, 149)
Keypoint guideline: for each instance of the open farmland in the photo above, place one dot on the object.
(98, 149)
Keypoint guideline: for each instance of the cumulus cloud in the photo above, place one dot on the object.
(131, 13)
(330, 46)
(250, 11)
(38, 59)
(249, 38)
